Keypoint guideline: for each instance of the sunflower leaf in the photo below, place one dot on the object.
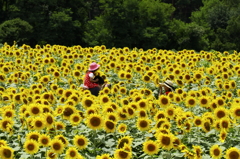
(211, 132)
(16, 148)
(24, 155)
(110, 142)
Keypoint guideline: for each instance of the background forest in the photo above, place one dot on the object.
(163, 24)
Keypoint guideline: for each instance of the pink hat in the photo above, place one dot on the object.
(93, 66)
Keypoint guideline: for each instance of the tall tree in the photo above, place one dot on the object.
(15, 30)
(131, 23)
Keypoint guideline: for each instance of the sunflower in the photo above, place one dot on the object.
(221, 112)
(176, 142)
(104, 99)
(44, 140)
(72, 153)
(216, 152)
(143, 104)
(75, 119)
(206, 125)
(124, 140)
(122, 154)
(57, 146)
(35, 109)
(59, 110)
(45, 79)
(164, 101)
(160, 114)
(143, 124)
(87, 102)
(6, 124)
(68, 111)
(122, 115)
(60, 125)
(31, 146)
(190, 101)
(63, 139)
(122, 128)
(122, 90)
(49, 120)
(104, 156)
(198, 75)
(170, 112)
(92, 110)
(222, 135)
(204, 101)
(94, 121)
(146, 78)
(33, 136)
(38, 123)
(198, 152)
(233, 153)
(112, 116)
(235, 111)
(109, 126)
(160, 122)
(225, 123)
(165, 141)
(176, 98)
(3, 143)
(121, 74)
(80, 142)
(197, 121)
(17, 98)
(8, 113)
(2, 77)
(6, 152)
(131, 112)
(108, 109)
(60, 91)
(134, 105)
(220, 101)
(150, 147)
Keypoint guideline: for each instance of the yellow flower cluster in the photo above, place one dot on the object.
(40, 92)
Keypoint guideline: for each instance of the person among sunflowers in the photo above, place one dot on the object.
(167, 86)
(92, 82)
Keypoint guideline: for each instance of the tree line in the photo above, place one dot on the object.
(162, 24)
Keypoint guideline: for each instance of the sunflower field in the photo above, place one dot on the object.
(46, 113)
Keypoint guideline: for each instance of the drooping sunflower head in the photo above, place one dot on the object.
(63, 139)
(124, 140)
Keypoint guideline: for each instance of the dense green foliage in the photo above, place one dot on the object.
(165, 24)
